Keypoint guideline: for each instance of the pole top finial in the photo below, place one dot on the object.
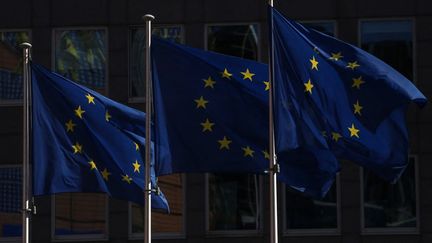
(148, 17)
(25, 45)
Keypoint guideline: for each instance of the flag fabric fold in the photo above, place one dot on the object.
(85, 142)
(342, 99)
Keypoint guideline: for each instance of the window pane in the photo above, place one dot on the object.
(234, 40)
(137, 55)
(307, 213)
(80, 214)
(10, 201)
(11, 64)
(390, 205)
(233, 202)
(172, 187)
(327, 28)
(80, 55)
(391, 41)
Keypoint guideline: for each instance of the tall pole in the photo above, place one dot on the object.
(274, 169)
(148, 189)
(26, 213)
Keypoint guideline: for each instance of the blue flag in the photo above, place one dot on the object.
(342, 100)
(211, 115)
(85, 142)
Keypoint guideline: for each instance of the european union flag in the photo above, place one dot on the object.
(342, 100)
(85, 142)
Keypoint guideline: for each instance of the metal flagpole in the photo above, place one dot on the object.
(148, 190)
(26, 144)
(274, 168)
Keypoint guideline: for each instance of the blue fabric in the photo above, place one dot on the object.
(63, 158)
(353, 90)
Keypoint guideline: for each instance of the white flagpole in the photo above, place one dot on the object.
(26, 213)
(149, 99)
(274, 168)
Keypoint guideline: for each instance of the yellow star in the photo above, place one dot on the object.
(308, 86)
(267, 85)
(247, 74)
(224, 143)
(105, 174)
(107, 116)
(357, 108)
(207, 125)
(266, 154)
(314, 63)
(336, 136)
(127, 179)
(336, 56)
(248, 151)
(92, 165)
(79, 112)
(77, 148)
(70, 126)
(201, 102)
(136, 166)
(357, 82)
(353, 131)
(90, 98)
(226, 74)
(209, 82)
(353, 65)
(136, 146)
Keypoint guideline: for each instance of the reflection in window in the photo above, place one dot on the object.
(137, 55)
(391, 41)
(307, 213)
(11, 64)
(80, 55)
(172, 187)
(80, 214)
(327, 28)
(10, 201)
(233, 202)
(234, 199)
(390, 205)
(234, 40)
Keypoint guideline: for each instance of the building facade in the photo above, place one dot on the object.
(100, 44)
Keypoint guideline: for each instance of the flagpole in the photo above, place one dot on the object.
(274, 168)
(26, 213)
(148, 190)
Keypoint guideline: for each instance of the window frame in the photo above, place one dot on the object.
(15, 102)
(314, 231)
(413, 36)
(234, 233)
(392, 230)
(138, 99)
(79, 28)
(161, 236)
(79, 237)
(11, 239)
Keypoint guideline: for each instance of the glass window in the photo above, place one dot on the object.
(167, 224)
(234, 40)
(327, 28)
(11, 64)
(81, 55)
(391, 41)
(137, 55)
(80, 215)
(10, 201)
(234, 199)
(388, 205)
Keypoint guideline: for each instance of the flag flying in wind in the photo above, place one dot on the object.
(85, 142)
(340, 98)
(211, 115)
